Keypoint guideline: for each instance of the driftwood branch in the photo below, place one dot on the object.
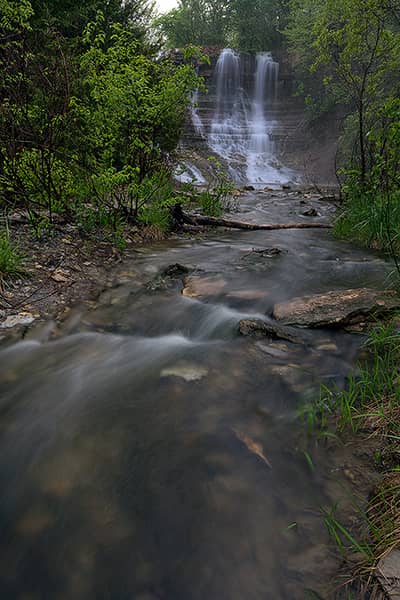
(182, 218)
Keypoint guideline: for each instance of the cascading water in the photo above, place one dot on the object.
(261, 148)
(196, 120)
(241, 128)
(229, 122)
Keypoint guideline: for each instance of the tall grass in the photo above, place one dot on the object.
(369, 406)
(372, 392)
(10, 258)
(371, 219)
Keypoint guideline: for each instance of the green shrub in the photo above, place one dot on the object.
(210, 203)
(10, 259)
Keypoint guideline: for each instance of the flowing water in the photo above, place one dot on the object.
(148, 451)
(242, 127)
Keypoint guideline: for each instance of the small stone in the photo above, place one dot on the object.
(327, 348)
(388, 573)
(23, 318)
(60, 276)
(188, 372)
(310, 213)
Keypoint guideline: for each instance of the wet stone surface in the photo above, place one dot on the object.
(335, 308)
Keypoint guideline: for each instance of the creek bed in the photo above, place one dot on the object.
(149, 451)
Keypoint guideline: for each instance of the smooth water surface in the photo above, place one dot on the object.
(150, 452)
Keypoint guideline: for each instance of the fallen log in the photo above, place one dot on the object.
(196, 220)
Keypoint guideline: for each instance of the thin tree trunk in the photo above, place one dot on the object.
(182, 218)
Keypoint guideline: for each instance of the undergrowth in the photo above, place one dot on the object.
(372, 220)
(368, 407)
(10, 258)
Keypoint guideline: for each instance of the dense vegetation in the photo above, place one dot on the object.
(249, 26)
(348, 55)
(89, 117)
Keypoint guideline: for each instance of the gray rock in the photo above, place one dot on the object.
(15, 320)
(176, 270)
(265, 253)
(336, 308)
(388, 573)
(310, 213)
(259, 329)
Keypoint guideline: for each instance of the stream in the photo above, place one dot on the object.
(149, 452)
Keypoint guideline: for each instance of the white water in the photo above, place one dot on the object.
(186, 172)
(241, 130)
(196, 120)
(229, 123)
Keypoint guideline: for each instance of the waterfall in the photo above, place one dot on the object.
(261, 162)
(227, 134)
(196, 120)
(242, 127)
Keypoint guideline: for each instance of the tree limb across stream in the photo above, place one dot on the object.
(195, 219)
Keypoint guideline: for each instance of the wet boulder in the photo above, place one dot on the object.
(176, 270)
(336, 308)
(261, 329)
(311, 212)
(261, 259)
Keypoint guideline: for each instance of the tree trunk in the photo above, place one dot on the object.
(182, 218)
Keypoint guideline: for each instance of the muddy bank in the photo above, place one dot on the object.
(66, 268)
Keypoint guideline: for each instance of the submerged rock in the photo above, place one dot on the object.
(197, 286)
(176, 270)
(261, 259)
(336, 308)
(187, 371)
(264, 253)
(259, 328)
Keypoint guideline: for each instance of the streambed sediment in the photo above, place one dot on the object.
(149, 451)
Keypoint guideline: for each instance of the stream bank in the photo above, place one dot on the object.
(150, 451)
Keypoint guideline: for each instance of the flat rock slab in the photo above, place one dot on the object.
(336, 308)
(197, 286)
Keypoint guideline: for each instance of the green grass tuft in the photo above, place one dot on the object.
(10, 259)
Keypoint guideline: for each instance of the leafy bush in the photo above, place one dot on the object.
(89, 125)
(210, 203)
